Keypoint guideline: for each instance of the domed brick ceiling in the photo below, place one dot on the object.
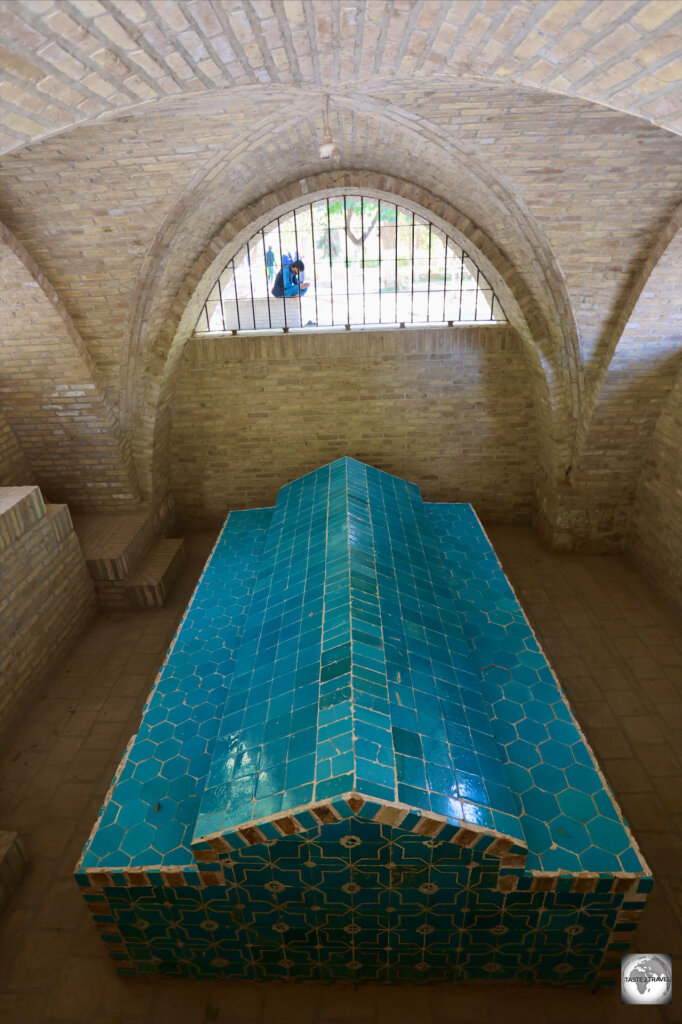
(68, 62)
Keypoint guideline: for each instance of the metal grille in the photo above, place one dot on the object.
(368, 262)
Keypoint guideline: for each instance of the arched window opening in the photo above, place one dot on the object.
(367, 263)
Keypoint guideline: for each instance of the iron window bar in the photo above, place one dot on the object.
(300, 306)
(479, 290)
(428, 279)
(312, 239)
(331, 269)
(236, 297)
(412, 276)
(362, 231)
(461, 283)
(281, 267)
(220, 296)
(267, 279)
(345, 236)
(253, 303)
(445, 276)
(379, 258)
(395, 291)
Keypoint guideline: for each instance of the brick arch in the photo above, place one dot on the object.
(486, 204)
(235, 305)
(51, 397)
(638, 379)
(524, 261)
(155, 445)
(651, 287)
(503, 277)
(548, 313)
(95, 63)
(407, 199)
(593, 508)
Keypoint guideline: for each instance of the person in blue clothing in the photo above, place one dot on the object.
(288, 281)
(270, 263)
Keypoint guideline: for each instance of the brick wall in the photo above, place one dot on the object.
(520, 169)
(186, 117)
(555, 165)
(451, 410)
(167, 319)
(14, 467)
(654, 538)
(50, 396)
(181, 182)
(68, 62)
(591, 512)
(46, 599)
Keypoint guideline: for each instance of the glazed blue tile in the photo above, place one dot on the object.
(631, 862)
(584, 779)
(522, 753)
(533, 732)
(577, 805)
(547, 728)
(608, 835)
(541, 804)
(353, 640)
(224, 595)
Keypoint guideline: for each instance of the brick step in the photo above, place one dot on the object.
(113, 544)
(148, 585)
(20, 509)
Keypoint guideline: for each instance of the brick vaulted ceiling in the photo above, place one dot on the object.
(68, 62)
(135, 134)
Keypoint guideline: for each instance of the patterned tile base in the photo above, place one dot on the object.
(356, 763)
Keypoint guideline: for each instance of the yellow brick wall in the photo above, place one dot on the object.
(654, 538)
(543, 130)
(68, 63)
(14, 468)
(47, 598)
(593, 509)
(448, 409)
(50, 395)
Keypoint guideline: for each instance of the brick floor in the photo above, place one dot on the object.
(618, 652)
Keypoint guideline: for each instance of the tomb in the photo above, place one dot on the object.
(356, 763)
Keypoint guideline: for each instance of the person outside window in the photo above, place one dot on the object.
(288, 281)
(270, 263)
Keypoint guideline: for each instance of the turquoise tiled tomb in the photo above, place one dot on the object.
(356, 763)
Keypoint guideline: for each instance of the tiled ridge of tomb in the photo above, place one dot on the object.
(357, 763)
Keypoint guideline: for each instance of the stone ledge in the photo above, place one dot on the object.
(20, 509)
(111, 544)
(133, 566)
(149, 585)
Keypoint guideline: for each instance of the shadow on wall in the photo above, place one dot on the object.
(591, 514)
(620, 432)
(654, 537)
